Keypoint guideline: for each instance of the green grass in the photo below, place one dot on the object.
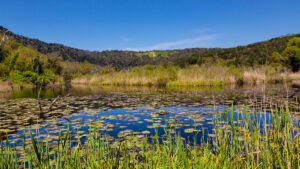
(195, 83)
(154, 54)
(234, 144)
(170, 75)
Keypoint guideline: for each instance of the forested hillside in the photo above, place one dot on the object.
(257, 53)
(19, 63)
(119, 59)
(33, 61)
(253, 54)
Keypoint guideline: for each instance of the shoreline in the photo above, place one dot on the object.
(172, 76)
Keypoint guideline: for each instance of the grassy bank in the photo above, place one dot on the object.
(194, 75)
(213, 68)
(8, 86)
(242, 143)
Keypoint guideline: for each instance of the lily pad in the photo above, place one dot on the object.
(189, 130)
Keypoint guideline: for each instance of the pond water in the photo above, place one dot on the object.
(119, 112)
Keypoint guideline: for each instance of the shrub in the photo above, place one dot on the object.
(47, 77)
(4, 70)
(31, 77)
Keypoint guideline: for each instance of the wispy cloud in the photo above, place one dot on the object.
(191, 42)
(125, 39)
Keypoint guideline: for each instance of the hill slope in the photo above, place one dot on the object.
(256, 53)
(120, 59)
(252, 54)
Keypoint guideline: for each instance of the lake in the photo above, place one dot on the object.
(122, 112)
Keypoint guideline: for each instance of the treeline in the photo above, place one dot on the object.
(254, 54)
(283, 51)
(19, 63)
(32, 61)
(204, 70)
(114, 58)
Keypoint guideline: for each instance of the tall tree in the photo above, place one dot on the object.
(292, 52)
(37, 65)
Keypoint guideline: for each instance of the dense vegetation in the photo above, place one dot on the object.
(171, 75)
(25, 64)
(282, 51)
(257, 53)
(118, 59)
(205, 70)
(243, 142)
(29, 60)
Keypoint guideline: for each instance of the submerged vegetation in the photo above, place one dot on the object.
(239, 140)
(147, 111)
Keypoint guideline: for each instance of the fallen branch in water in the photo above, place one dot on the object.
(52, 103)
(55, 100)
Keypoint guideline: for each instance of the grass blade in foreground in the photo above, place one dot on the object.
(234, 144)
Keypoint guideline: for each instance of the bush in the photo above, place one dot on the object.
(4, 71)
(48, 76)
(32, 77)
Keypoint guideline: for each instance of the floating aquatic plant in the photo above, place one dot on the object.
(241, 141)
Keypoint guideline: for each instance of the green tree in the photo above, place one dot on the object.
(85, 68)
(13, 61)
(276, 59)
(292, 52)
(3, 53)
(54, 65)
(4, 70)
(37, 65)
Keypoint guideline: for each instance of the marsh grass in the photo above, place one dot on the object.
(295, 76)
(239, 140)
(138, 76)
(5, 87)
(194, 75)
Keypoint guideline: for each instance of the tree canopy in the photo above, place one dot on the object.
(292, 53)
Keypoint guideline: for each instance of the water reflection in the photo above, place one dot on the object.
(85, 90)
(123, 111)
(191, 122)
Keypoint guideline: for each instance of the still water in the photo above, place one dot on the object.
(121, 112)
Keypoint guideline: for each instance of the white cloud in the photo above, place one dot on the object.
(125, 39)
(192, 42)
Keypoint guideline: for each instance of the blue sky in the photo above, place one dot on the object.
(151, 24)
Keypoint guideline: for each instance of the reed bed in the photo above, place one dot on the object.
(265, 74)
(203, 76)
(295, 76)
(138, 76)
(5, 87)
(242, 140)
(194, 75)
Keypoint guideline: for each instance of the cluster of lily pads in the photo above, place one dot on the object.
(18, 114)
(151, 130)
(120, 123)
(240, 138)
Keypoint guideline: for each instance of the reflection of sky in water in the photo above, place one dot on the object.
(138, 120)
